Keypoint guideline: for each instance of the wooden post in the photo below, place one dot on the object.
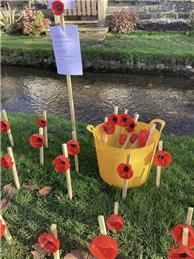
(76, 156)
(68, 174)
(41, 148)
(185, 236)
(158, 173)
(151, 134)
(14, 170)
(189, 216)
(70, 92)
(54, 232)
(126, 181)
(4, 115)
(105, 135)
(116, 208)
(136, 117)
(102, 225)
(7, 235)
(45, 130)
(102, 7)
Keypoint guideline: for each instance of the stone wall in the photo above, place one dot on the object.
(173, 14)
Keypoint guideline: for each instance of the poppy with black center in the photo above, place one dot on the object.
(37, 141)
(61, 163)
(123, 119)
(180, 252)
(48, 242)
(131, 125)
(57, 7)
(162, 158)
(6, 162)
(4, 126)
(125, 171)
(73, 147)
(113, 118)
(108, 128)
(41, 122)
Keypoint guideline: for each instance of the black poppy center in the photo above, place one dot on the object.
(114, 118)
(132, 126)
(126, 169)
(161, 157)
(59, 7)
(106, 129)
(39, 140)
(42, 121)
(73, 145)
(62, 162)
(4, 125)
(124, 119)
(183, 255)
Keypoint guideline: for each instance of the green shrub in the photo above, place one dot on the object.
(123, 21)
(10, 21)
(34, 22)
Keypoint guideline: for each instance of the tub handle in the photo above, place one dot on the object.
(158, 121)
(90, 128)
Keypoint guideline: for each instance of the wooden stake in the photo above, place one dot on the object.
(76, 156)
(14, 170)
(159, 168)
(115, 135)
(69, 88)
(45, 129)
(189, 216)
(185, 236)
(136, 117)
(151, 134)
(4, 115)
(68, 174)
(54, 232)
(105, 135)
(116, 208)
(6, 234)
(126, 181)
(102, 225)
(41, 148)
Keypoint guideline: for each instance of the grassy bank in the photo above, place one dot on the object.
(132, 52)
(149, 213)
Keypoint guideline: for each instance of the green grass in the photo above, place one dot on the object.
(137, 52)
(149, 213)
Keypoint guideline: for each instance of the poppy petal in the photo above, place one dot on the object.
(115, 222)
(4, 126)
(48, 242)
(2, 228)
(162, 158)
(73, 147)
(37, 141)
(125, 171)
(180, 252)
(6, 161)
(61, 163)
(177, 233)
(41, 122)
(108, 128)
(57, 7)
(122, 139)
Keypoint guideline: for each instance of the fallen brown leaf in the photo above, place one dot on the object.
(77, 254)
(44, 191)
(41, 251)
(10, 191)
(36, 254)
(31, 187)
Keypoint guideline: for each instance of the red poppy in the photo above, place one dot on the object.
(37, 141)
(6, 161)
(41, 122)
(61, 163)
(5, 126)
(123, 119)
(143, 136)
(177, 234)
(57, 7)
(162, 158)
(73, 147)
(103, 247)
(48, 242)
(133, 138)
(180, 252)
(2, 228)
(113, 118)
(108, 128)
(122, 139)
(131, 125)
(115, 222)
(125, 171)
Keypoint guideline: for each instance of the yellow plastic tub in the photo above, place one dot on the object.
(110, 157)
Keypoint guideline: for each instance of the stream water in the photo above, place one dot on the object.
(32, 90)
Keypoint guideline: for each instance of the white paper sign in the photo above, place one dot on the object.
(66, 45)
(69, 4)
